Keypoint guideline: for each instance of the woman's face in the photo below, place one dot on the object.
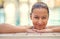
(39, 18)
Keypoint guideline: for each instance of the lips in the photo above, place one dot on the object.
(39, 25)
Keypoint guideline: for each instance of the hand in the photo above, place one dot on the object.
(39, 31)
(44, 31)
(31, 30)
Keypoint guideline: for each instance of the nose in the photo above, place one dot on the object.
(40, 21)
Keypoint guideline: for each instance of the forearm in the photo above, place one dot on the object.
(49, 30)
(6, 28)
(56, 29)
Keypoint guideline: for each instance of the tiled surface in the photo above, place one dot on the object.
(30, 36)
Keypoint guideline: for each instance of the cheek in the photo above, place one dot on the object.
(45, 21)
(34, 21)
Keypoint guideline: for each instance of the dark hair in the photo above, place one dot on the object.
(40, 5)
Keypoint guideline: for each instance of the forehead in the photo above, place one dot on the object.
(40, 11)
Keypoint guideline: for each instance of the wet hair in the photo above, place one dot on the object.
(40, 5)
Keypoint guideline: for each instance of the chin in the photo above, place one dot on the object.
(40, 28)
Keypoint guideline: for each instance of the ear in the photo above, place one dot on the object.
(31, 16)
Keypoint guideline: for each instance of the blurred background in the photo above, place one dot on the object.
(17, 12)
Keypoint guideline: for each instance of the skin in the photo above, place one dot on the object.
(7, 28)
(39, 18)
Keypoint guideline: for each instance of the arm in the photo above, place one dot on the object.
(56, 29)
(6, 28)
(50, 29)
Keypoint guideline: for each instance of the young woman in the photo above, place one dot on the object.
(39, 16)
